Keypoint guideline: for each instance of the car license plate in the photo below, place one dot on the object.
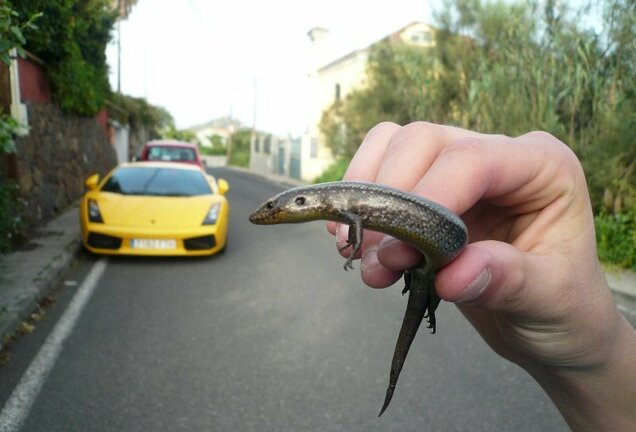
(153, 243)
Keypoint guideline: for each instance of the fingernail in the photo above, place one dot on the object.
(476, 287)
(342, 235)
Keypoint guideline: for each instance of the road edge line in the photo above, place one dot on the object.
(19, 404)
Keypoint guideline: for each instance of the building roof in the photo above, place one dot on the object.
(219, 123)
(393, 37)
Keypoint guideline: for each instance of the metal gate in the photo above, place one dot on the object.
(294, 159)
(280, 168)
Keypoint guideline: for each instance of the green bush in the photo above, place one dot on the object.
(239, 151)
(78, 85)
(8, 128)
(240, 159)
(616, 239)
(12, 209)
(334, 172)
(213, 151)
(12, 31)
(71, 40)
(138, 114)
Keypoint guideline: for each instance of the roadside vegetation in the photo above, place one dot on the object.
(13, 28)
(512, 67)
(239, 148)
(138, 113)
(71, 39)
(217, 148)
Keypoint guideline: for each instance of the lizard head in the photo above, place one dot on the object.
(291, 206)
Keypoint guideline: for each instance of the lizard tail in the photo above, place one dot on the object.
(387, 399)
(419, 285)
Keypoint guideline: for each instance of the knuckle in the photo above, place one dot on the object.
(381, 129)
(542, 136)
(463, 147)
(420, 128)
(557, 150)
(420, 133)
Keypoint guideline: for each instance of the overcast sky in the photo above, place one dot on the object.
(204, 59)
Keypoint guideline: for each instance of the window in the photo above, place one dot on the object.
(157, 182)
(267, 147)
(421, 38)
(158, 153)
(337, 92)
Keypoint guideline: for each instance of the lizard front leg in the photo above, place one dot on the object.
(354, 239)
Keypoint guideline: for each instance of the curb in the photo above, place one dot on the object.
(623, 286)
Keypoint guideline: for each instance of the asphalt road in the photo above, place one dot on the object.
(273, 335)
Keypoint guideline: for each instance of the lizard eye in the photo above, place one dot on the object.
(300, 200)
(269, 205)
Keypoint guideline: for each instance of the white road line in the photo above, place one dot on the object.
(19, 404)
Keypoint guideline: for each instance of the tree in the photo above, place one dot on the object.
(71, 40)
(123, 7)
(12, 31)
(395, 86)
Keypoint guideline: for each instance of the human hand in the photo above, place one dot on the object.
(529, 281)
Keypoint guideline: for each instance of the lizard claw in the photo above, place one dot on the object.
(431, 321)
(348, 265)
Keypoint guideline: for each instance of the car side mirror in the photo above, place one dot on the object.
(223, 186)
(91, 182)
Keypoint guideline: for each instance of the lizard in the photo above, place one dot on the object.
(439, 234)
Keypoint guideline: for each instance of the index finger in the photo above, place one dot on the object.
(399, 156)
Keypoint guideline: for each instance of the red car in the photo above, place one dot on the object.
(171, 151)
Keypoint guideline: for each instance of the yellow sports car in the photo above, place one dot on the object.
(155, 208)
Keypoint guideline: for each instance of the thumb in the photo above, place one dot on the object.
(497, 276)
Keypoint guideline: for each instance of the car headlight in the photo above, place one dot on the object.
(213, 214)
(93, 212)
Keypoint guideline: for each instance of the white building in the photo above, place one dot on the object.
(222, 127)
(331, 78)
(334, 80)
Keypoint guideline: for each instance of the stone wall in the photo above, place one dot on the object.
(55, 158)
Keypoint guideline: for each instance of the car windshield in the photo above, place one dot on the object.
(161, 153)
(157, 182)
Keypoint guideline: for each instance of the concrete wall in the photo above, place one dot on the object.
(55, 158)
(214, 161)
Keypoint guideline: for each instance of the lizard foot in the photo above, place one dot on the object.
(348, 265)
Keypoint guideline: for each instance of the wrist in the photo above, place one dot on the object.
(601, 396)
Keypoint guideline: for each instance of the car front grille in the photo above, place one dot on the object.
(102, 241)
(200, 243)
